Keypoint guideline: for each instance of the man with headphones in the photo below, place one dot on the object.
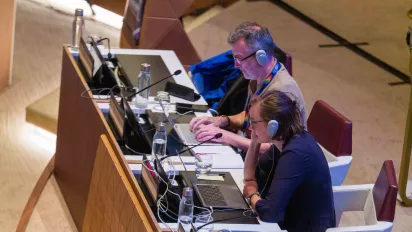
(252, 48)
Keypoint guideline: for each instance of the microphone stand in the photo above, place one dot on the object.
(217, 136)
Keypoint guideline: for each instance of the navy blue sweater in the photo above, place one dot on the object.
(298, 193)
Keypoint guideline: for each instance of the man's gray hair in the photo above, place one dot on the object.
(255, 36)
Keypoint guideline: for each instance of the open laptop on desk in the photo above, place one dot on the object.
(188, 137)
(217, 194)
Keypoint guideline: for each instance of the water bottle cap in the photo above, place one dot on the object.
(145, 67)
(162, 127)
(187, 192)
(78, 12)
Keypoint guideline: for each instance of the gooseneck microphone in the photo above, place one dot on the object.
(217, 136)
(177, 72)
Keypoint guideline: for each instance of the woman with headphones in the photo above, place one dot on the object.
(292, 188)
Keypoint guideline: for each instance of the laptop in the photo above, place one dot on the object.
(220, 196)
(188, 137)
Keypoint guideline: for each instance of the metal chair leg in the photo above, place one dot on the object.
(407, 143)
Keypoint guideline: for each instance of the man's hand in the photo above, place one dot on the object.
(209, 131)
(249, 188)
(215, 121)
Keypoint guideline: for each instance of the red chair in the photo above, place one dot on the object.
(377, 201)
(333, 131)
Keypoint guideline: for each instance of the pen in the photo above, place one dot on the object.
(216, 174)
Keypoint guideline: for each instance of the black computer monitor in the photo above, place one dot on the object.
(102, 75)
(133, 134)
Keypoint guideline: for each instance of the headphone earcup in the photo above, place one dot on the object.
(261, 57)
(272, 128)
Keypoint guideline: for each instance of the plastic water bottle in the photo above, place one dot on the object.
(186, 209)
(143, 80)
(77, 28)
(159, 142)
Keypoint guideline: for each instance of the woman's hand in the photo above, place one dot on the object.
(249, 188)
(254, 144)
(251, 159)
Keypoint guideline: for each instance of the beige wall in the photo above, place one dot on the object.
(7, 18)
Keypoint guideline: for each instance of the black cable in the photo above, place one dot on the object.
(226, 219)
(109, 55)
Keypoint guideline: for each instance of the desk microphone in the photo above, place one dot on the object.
(217, 136)
(177, 72)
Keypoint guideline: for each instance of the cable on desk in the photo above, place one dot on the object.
(180, 115)
(215, 112)
(227, 219)
(109, 55)
(136, 152)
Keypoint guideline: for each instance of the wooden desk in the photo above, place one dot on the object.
(7, 20)
(80, 125)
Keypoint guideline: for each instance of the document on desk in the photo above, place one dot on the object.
(220, 161)
(270, 227)
(214, 150)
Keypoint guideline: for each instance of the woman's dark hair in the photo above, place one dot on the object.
(276, 105)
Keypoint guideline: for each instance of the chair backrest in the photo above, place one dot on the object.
(112, 204)
(331, 129)
(160, 28)
(385, 192)
(288, 63)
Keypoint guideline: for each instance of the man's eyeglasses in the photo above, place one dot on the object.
(239, 60)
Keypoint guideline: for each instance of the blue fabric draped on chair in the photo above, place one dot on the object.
(212, 76)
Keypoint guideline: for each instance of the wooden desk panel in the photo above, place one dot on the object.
(112, 204)
(116, 6)
(7, 19)
(80, 125)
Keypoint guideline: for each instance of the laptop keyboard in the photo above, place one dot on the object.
(188, 137)
(211, 194)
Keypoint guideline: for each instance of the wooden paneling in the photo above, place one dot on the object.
(78, 130)
(161, 29)
(80, 125)
(43, 113)
(112, 204)
(116, 6)
(7, 19)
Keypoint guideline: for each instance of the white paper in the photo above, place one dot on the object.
(219, 149)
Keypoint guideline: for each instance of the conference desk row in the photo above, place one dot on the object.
(83, 120)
